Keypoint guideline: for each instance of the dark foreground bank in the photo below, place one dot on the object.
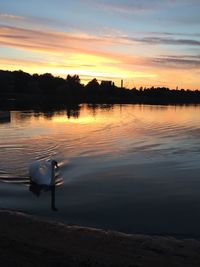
(28, 241)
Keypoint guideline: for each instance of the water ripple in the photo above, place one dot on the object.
(124, 131)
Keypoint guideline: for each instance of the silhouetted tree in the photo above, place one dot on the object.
(74, 86)
(6, 82)
(21, 81)
(49, 84)
(92, 88)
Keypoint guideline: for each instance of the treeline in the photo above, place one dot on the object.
(21, 86)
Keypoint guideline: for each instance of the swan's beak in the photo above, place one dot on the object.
(56, 164)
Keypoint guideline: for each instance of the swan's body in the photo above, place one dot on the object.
(43, 173)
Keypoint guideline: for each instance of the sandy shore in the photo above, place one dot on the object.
(29, 241)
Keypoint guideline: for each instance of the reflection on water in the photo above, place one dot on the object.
(4, 117)
(38, 189)
(122, 166)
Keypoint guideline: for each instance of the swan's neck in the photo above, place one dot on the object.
(52, 175)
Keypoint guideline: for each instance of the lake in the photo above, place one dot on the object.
(131, 168)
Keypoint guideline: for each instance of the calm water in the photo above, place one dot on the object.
(133, 168)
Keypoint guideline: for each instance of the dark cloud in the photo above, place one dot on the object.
(180, 61)
(130, 6)
(173, 34)
(164, 41)
(127, 6)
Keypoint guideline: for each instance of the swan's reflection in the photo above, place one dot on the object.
(38, 189)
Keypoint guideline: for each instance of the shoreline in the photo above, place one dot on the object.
(28, 240)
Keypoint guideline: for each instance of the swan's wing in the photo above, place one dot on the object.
(45, 174)
(40, 173)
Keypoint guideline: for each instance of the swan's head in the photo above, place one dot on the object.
(54, 163)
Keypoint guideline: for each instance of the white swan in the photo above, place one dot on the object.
(43, 173)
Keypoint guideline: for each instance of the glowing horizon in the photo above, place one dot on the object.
(145, 44)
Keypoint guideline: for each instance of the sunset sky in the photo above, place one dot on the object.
(144, 42)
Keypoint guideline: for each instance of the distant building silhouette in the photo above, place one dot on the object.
(122, 83)
(107, 83)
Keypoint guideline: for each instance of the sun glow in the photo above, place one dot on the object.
(90, 57)
(79, 37)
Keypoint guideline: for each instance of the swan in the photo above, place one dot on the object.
(43, 173)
